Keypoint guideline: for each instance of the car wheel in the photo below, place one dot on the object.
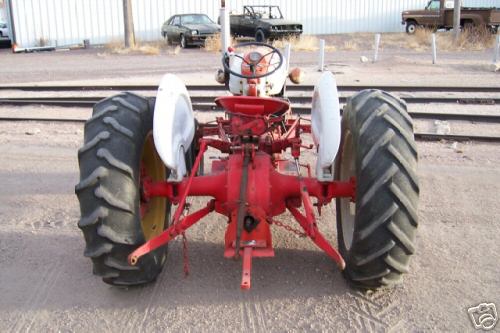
(183, 42)
(469, 26)
(260, 37)
(411, 27)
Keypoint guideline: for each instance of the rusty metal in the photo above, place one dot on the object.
(289, 228)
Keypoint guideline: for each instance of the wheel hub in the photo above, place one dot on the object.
(347, 207)
(153, 210)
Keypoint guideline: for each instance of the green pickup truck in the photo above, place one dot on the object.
(263, 23)
(438, 14)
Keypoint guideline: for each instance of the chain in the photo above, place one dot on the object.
(185, 254)
(288, 228)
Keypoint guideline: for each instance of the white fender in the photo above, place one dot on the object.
(236, 83)
(173, 125)
(325, 117)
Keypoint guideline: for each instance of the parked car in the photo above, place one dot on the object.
(4, 30)
(189, 29)
(263, 22)
(438, 14)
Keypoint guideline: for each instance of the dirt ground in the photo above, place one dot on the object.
(46, 284)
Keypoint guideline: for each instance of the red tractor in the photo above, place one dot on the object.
(143, 157)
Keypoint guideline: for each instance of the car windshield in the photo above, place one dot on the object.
(196, 19)
(267, 12)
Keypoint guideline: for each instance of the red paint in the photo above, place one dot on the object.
(252, 106)
(169, 234)
(260, 67)
(256, 126)
(247, 268)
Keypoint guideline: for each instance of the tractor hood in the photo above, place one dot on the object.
(204, 28)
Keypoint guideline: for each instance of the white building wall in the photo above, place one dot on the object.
(66, 22)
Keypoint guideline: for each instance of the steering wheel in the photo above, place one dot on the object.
(254, 63)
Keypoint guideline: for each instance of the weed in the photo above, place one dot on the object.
(147, 48)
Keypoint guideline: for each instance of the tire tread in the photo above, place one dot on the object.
(108, 189)
(387, 190)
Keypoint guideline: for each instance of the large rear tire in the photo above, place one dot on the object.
(118, 152)
(376, 234)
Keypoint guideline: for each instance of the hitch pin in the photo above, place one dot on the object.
(297, 165)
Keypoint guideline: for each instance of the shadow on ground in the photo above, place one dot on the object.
(48, 271)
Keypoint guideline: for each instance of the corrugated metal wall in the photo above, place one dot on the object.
(481, 3)
(56, 22)
(149, 15)
(66, 22)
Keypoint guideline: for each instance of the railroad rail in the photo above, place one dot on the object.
(300, 103)
(422, 136)
(146, 87)
(205, 103)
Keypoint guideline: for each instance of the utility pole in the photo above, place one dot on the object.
(225, 27)
(456, 20)
(128, 22)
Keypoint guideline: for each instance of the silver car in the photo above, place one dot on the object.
(189, 29)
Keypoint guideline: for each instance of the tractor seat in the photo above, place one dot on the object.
(252, 106)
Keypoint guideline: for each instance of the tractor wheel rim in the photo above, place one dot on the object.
(347, 208)
(155, 209)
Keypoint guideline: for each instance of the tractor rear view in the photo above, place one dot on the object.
(143, 158)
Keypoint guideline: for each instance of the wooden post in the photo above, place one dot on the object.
(321, 65)
(496, 50)
(288, 51)
(377, 44)
(10, 24)
(456, 20)
(128, 22)
(225, 29)
(434, 51)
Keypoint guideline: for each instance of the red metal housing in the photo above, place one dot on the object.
(252, 184)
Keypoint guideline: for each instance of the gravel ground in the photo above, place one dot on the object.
(46, 284)
(395, 66)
